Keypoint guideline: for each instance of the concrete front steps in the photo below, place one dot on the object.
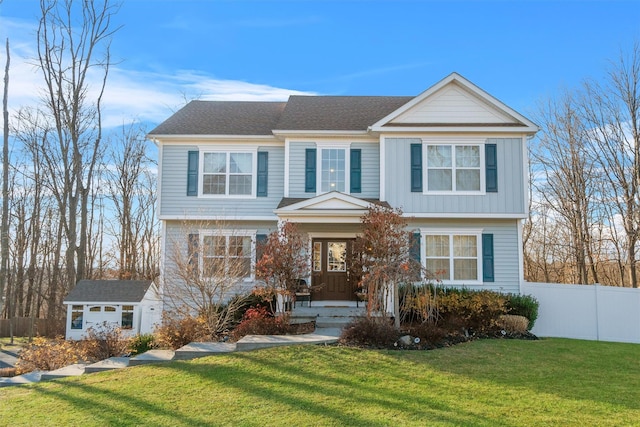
(333, 317)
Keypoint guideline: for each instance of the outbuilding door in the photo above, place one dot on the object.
(330, 270)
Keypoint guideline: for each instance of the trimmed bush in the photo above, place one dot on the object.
(513, 323)
(523, 305)
(478, 310)
(375, 332)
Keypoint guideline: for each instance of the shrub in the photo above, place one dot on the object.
(247, 302)
(418, 303)
(49, 354)
(176, 332)
(513, 323)
(260, 321)
(523, 305)
(104, 341)
(478, 310)
(370, 331)
(429, 333)
(142, 343)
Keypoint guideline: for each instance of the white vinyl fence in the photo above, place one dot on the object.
(589, 312)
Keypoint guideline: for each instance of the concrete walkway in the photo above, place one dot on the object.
(8, 359)
(190, 351)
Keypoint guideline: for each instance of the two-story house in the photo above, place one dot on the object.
(453, 158)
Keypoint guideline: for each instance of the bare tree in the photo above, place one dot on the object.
(127, 180)
(4, 228)
(204, 273)
(568, 187)
(612, 112)
(73, 55)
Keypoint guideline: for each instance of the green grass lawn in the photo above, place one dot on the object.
(488, 382)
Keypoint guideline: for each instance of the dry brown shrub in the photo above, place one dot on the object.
(513, 323)
(176, 332)
(49, 354)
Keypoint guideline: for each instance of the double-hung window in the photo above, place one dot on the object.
(333, 170)
(228, 173)
(454, 168)
(227, 254)
(454, 257)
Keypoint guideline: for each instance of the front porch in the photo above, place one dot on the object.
(334, 317)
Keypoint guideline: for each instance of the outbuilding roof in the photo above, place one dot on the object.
(115, 291)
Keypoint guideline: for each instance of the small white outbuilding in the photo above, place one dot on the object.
(133, 305)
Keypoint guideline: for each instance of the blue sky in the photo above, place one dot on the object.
(518, 51)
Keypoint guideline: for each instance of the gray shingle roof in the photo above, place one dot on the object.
(222, 118)
(337, 112)
(108, 291)
(299, 113)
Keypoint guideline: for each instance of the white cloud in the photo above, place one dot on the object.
(130, 94)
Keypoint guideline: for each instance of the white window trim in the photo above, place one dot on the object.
(480, 143)
(254, 172)
(453, 232)
(346, 146)
(230, 233)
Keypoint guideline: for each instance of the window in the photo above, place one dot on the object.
(76, 316)
(453, 257)
(317, 256)
(126, 321)
(228, 255)
(333, 167)
(228, 173)
(454, 168)
(337, 256)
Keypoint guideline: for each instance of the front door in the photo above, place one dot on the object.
(330, 276)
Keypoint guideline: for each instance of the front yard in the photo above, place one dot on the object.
(485, 382)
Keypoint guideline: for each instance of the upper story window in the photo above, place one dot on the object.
(454, 168)
(333, 170)
(228, 173)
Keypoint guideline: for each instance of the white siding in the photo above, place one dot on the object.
(453, 104)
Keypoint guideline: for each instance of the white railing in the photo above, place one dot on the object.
(590, 312)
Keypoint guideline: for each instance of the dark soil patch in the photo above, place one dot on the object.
(302, 328)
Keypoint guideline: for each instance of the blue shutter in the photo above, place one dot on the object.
(414, 248)
(263, 173)
(491, 167)
(261, 241)
(356, 171)
(192, 174)
(193, 243)
(487, 258)
(310, 170)
(416, 168)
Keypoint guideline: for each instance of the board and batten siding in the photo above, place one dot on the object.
(175, 203)
(370, 169)
(505, 248)
(510, 198)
